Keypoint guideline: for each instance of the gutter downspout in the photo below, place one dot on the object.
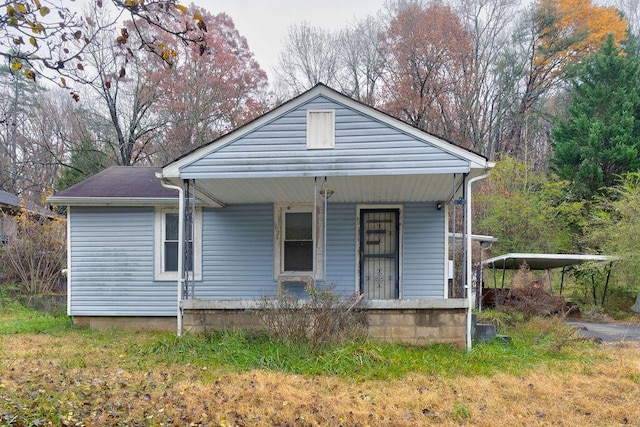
(180, 283)
(468, 260)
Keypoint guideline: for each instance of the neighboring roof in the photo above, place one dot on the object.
(9, 200)
(118, 185)
(513, 261)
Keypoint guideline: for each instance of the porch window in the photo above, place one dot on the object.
(298, 241)
(170, 243)
(298, 244)
(166, 262)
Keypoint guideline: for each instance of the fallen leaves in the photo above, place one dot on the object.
(77, 379)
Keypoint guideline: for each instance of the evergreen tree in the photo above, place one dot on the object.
(86, 160)
(600, 138)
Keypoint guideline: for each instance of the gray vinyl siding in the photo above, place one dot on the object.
(112, 257)
(363, 146)
(341, 247)
(237, 253)
(112, 264)
(423, 251)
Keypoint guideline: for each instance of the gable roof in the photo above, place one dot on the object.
(378, 159)
(176, 168)
(122, 185)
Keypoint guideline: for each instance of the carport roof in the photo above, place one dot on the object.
(541, 261)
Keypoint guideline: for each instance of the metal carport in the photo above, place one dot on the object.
(547, 262)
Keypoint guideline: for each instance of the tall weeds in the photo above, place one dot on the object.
(35, 256)
(323, 319)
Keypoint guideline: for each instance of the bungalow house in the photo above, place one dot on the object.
(321, 190)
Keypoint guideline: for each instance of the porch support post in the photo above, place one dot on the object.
(314, 220)
(468, 257)
(180, 283)
(324, 231)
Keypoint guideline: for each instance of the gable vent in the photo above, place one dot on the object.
(321, 129)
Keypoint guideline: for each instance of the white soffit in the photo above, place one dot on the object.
(402, 188)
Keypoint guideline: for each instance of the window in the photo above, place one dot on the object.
(298, 241)
(298, 244)
(166, 263)
(320, 129)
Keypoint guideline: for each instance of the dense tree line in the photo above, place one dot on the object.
(548, 88)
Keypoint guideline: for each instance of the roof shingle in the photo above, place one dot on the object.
(121, 182)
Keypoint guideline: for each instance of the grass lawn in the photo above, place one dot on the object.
(54, 374)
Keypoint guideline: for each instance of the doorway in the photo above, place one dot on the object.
(379, 253)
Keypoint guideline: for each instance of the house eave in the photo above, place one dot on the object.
(111, 201)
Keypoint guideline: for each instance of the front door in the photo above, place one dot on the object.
(379, 254)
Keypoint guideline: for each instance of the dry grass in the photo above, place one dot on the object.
(43, 375)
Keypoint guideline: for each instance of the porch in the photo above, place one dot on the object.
(416, 322)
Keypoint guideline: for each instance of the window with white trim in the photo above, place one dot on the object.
(321, 129)
(298, 244)
(166, 245)
(298, 241)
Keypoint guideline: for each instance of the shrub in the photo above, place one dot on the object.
(34, 258)
(533, 300)
(322, 319)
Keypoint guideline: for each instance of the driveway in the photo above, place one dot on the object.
(608, 332)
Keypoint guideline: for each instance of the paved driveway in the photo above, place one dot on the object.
(608, 332)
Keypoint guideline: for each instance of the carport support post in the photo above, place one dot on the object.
(606, 283)
(468, 251)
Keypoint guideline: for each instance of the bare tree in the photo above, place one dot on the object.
(21, 100)
(362, 59)
(486, 100)
(631, 11)
(206, 94)
(429, 49)
(121, 99)
(49, 38)
(309, 56)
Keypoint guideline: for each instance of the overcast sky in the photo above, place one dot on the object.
(264, 23)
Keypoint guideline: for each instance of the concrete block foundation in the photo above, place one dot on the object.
(416, 322)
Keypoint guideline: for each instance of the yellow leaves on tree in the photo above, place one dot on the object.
(568, 30)
(565, 31)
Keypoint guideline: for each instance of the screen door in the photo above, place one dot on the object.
(379, 254)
